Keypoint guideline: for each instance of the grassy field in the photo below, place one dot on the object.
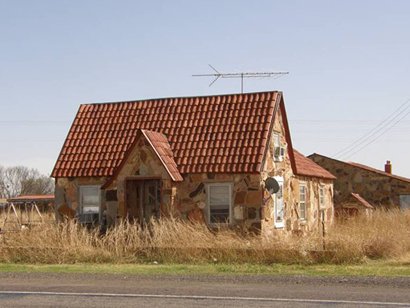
(384, 238)
(375, 268)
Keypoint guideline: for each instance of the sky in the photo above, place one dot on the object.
(348, 64)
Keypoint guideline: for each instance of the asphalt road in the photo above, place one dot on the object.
(86, 290)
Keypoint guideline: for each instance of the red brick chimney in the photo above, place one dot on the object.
(387, 167)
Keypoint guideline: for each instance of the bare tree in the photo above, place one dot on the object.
(20, 180)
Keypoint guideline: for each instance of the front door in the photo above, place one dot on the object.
(143, 200)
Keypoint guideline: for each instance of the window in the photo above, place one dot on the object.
(219, 203)
(321, 196)
(89, 203)
(279, 151)
(405, 202)
(302, 201)
(278, 218)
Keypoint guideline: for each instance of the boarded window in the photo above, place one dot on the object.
(219, 203)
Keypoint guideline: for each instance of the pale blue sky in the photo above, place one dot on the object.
(349, 64)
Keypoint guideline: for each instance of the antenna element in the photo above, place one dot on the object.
(240, 75)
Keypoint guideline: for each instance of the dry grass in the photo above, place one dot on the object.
(386, 235)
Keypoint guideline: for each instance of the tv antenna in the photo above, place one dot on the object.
(240, 75)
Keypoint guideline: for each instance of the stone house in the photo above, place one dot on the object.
(206, 159)
(378, 188)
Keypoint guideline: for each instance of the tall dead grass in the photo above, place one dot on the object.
(385, 235)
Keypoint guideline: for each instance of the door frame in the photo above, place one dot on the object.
(140, 179)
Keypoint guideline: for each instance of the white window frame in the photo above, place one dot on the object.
(208, 205)
(322, 198)
(279, 224)
(304, 202)
(81, 193)
(278, 150)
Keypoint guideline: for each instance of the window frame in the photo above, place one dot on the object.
(303, 185)
(279, 224)
(81, 194)
(401, 200)
(322, 197)
(208, 203)
(277, 147)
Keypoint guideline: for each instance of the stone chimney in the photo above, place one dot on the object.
(387, 167)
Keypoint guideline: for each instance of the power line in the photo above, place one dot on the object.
(378, 136)
(378, 128)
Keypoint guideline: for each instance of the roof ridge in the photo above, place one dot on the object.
(365, 167)
(179, 97)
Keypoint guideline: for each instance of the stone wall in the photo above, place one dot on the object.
(186, 199)
(67, 194)
(313, 207)
(378, 189)
(274, 167)
(191, 197)
(142, 162)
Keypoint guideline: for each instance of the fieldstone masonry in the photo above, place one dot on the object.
(378, 189)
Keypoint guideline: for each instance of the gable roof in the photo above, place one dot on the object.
(362, 201)
(378, 171)
(364, 167)
(306, 167)
(221, 134)
(163, 150)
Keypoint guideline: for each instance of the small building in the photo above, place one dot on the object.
(45, 203)
(219, 160)
(377, 187)
(352, 206)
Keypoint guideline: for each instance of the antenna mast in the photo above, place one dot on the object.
(240, 75)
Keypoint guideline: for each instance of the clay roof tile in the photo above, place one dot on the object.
(222, 125)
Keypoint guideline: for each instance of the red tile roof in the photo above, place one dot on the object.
(362, 201)
(221, 134)
(306, 167)
(163, 150)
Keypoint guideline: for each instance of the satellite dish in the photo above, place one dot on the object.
(271, 185)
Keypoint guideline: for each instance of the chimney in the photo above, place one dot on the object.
(387, 167)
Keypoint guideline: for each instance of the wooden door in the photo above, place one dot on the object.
(143, 200)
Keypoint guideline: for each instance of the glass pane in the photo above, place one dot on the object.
(219, 215)
(219, 199)
(302, 210)
(405, 202)
(90, 195)
(302, 195)
(90, 209)
(219, 196)
(279, 208)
